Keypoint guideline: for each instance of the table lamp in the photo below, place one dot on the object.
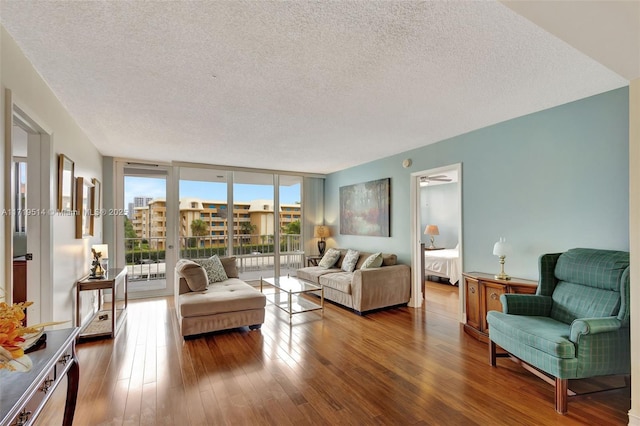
(321, 231)
(501, 249)
(431, 230)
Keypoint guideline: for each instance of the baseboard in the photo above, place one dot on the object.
(634, 419)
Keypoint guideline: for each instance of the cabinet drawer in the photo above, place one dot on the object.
(63, 362)
(35, 404)
(491, 300)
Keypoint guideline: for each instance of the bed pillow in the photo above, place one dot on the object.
(213, 267)
(373, 261)
(350, 260)
(329, 259)
(193, 274)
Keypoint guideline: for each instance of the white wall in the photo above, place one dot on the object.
(71, 256)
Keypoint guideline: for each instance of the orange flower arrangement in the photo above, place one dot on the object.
(11, 334)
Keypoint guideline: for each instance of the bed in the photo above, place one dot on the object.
(443, 263)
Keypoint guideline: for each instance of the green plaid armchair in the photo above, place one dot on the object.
(577, 323)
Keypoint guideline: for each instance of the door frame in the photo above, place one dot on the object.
(417, 297)
(171, 226)
(43, 165)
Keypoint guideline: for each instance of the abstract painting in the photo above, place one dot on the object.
(364, 208)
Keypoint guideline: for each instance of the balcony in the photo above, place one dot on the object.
(145, 257)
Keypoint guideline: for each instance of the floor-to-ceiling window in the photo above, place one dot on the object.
(145, 227)
(203, 213)
(195, 211)
(291, 244)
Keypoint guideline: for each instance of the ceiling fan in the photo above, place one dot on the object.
(435, 178)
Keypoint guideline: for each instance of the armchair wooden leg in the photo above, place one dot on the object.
(561, 395)
(492, 353)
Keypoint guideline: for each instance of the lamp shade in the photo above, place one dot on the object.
(501, 248)
(103, 249)
(321, 231)
(431, 230)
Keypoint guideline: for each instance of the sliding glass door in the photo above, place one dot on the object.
(203, 213)
(145, 240)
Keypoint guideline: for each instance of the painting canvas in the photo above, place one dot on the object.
(364, 208)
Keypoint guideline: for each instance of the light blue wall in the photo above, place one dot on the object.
(548, 181)
(439, 206)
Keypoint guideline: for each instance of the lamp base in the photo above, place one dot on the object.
(321, 246)
(502, 275)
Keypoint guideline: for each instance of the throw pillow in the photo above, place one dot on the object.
(193, 274)
(230, 267)
(350, 260)
(213, 267)
(329, 259)
(373, 261)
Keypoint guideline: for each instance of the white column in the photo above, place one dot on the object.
(634, 245)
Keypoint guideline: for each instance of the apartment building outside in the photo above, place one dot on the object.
(150, 222)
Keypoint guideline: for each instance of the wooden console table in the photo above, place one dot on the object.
(114, 278)
(482, 294)
(24, 395)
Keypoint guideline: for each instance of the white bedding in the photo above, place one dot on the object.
(443, 263)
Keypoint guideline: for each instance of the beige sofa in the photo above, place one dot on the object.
(363, 290)
(222, 305)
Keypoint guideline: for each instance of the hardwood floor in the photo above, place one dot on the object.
(400, 366)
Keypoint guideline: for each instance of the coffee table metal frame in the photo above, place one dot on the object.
(292, 286)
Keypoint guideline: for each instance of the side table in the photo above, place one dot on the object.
(313, 260)
(104, 322)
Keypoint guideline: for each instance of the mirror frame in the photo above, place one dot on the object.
(65, 182)
(84, 218)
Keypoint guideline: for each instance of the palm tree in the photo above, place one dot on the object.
(199, 228)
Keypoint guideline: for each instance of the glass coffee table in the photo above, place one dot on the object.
(289, 292)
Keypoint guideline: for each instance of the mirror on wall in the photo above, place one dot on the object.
(84, 218)
(65, 183)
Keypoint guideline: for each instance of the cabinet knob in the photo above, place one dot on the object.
(472, 290)
(64, 359)
(46, 385)
(494, 296)
(22, 418)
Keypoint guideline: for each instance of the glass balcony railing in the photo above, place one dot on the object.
(146, 257)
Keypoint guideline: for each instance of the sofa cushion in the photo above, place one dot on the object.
(373, 261)
(230, 267)
(329, 259)
(387, 259)
(213, 267)
(340, 281)
(350, 260)
(193, 274)
(231, 295)
(313, 273)
(542, 333)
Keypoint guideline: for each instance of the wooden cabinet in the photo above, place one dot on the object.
(482, 294)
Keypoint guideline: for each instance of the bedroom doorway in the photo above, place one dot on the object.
(437, 229)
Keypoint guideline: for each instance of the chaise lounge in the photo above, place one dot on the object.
(227, 302)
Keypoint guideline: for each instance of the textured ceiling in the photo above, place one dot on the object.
(302, 86)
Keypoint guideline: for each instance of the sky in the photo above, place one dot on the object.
(155, 188)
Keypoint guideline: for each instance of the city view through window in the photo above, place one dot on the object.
(207, 224)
